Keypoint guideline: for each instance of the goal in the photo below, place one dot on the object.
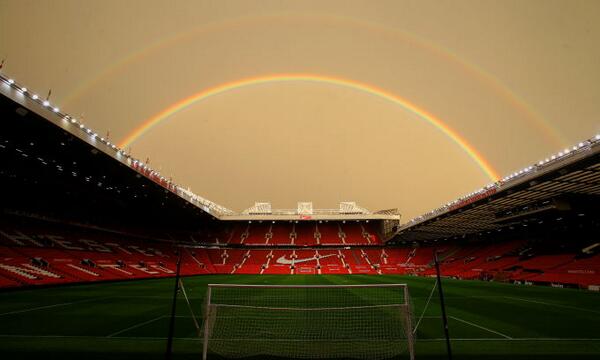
(371, 321)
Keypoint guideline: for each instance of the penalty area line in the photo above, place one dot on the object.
(136, 326)
(481, 327)
(52, 306)
(555, 305)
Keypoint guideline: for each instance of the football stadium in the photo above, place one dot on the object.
(103, 256)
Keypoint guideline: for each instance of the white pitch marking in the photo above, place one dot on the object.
(197, 339)
(136, 326)
(481, 327)
(556, 305)
(511, 339)
(94, 337)
(51, 306)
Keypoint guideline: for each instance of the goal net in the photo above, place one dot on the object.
(308, 322)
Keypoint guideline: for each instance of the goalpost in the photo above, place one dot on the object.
(308, 321)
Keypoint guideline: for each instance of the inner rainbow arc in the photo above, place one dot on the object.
(172, 109)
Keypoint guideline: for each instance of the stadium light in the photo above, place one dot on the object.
(34, 97)
(46, 103)
(11, 81)
(56, 109)
(24, 89)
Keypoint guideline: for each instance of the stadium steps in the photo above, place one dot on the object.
(317, 234)
(203, 262)
(293, 236)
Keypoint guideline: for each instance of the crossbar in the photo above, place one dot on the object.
(310, 309)
(305, 286)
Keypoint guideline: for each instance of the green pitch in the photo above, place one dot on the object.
(129, 320)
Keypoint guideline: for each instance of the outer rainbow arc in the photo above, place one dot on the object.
(420, 43)
(149, 123)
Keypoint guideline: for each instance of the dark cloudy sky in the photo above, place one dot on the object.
(518, 80)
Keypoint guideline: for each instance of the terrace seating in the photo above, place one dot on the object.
(257, 234)
(277, 262)
(55, 254)
(546, 262)
(38, 255)
(8, 283)
(330, 262)
(359, 234)
(330, 234)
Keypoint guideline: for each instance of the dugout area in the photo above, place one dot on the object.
(130, 320)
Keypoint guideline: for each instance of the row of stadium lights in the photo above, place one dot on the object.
(93, 135)
(206, 205)
(553, 158)
(559, 156)
(46, 103)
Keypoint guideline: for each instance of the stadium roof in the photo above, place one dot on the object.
(53, 165)
(565, 180)
(21, 103)
(565, 183)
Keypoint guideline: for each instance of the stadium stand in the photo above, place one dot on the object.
(304, 234)
(78, 209)
(36, 252)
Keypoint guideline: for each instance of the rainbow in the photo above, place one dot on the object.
(422, 44)
(174, 108)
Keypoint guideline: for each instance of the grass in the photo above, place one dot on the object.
(129, 320)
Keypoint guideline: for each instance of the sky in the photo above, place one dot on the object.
(391, 104)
